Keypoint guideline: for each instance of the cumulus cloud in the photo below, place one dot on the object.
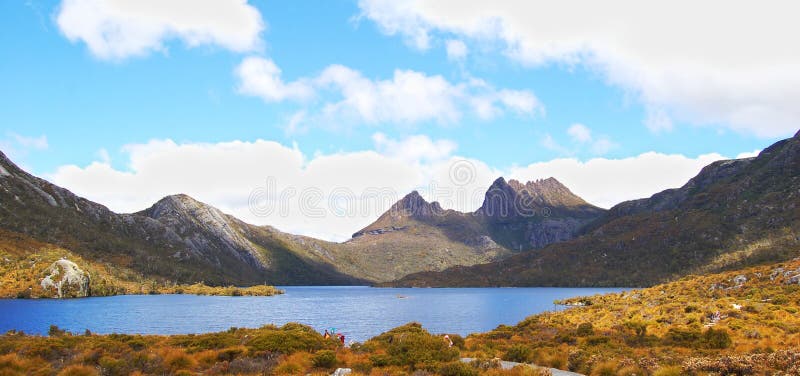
(330, 196)
(582, 139)
(262, 78)
(417, 148)
(409, 97)
(456, 49)
(580, 133)
(606, 182)
(738, 71)
(117, 29)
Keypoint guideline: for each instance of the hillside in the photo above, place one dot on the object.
(732, 214)
(742, 322)
(32, 269)
(178, 240)
(415, 235)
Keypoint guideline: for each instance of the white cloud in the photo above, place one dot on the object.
(262, 78)
(456, 49)
(417, 148)
(582, 139)
(749, 154)
(737, 71)
(580, 133)
(117, 29)
(225, 174)
(37, 143)
(606, 182)
(409, 97)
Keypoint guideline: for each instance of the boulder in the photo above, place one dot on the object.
(66, 279)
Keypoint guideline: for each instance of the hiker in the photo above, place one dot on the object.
(449, 341)
(326, 335)
(341, 338)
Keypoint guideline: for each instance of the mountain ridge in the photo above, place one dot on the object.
(734, 213)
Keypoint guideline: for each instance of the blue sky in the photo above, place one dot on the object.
(64, 104)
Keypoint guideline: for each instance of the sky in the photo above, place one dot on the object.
(314, 116)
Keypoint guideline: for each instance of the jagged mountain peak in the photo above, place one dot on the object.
(539, 193)
(413, 204)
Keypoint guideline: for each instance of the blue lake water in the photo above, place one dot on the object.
(358, 312)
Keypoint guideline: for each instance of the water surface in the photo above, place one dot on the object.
(358, 312)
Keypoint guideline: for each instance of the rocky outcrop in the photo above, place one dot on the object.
(205, 230)
(66, 280)
(535, 214)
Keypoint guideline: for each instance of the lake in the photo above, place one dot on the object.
(358, 312)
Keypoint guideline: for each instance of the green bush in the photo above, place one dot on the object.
(682, 337)
(324, 359)
(380, 360)
(288, 339)
(717, 339)
(518, 353)
(585, 329)
(597, 340)
(457, 369)
(410, 345)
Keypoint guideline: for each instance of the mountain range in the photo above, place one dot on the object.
(182, 240)
(733, 213)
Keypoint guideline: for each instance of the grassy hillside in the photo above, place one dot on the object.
(24, 263)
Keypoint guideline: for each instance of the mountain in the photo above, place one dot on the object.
(734, 213)
(535, 214)
(415, 235)
(178, 239)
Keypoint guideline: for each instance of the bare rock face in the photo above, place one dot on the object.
(205, 230)
(66, 280)
(534, 214)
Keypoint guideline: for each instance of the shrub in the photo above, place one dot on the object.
(288, 339)
(362, 367)
(55, 331)
(597, 340)
(518, 354)
(717, 339)
(410, 345)
(585, 329)
(78, 371)
(682, 337)
(380, 360)
(324, 359)
(669, 371)
(605, 369)
(177, 359)
(457, 369)
(287, 369)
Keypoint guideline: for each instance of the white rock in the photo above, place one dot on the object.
(70, 275)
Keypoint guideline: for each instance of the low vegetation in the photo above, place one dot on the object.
(25, 262)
